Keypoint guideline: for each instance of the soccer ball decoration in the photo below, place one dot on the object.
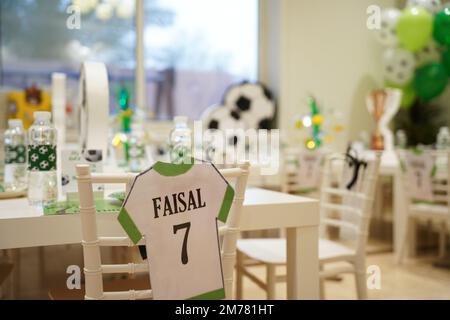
(398, 65)
(92, 155)
(221, 118)
(253, 103)
(432, 6)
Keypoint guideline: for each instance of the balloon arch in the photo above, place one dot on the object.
(417, 55)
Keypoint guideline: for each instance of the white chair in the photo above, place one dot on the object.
(93, 267)
(353, 219)
(290, 182)
(435, 211)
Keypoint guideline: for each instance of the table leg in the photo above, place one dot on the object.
(400, 217)
(303, 263)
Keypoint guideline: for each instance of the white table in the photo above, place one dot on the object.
(21, 226)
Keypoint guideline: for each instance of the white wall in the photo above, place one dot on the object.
(324, 48)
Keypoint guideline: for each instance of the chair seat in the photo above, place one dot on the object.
(432, 211)
(141, 283)
(273, 251)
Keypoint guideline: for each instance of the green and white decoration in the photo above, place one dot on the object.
(15, 154)
(176, 208)
(41, 157)
(417, 56)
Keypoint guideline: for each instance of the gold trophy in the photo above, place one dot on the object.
(383, 104)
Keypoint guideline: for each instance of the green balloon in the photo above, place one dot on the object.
(414, 28)
(446, 60)
(441, 31)
(430, 81)
(408, 94)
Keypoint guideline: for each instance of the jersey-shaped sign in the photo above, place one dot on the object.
(176, 207)
(419, 171)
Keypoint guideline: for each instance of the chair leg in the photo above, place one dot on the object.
(361, 281)
(412, 239)
(16, 273)
(322, 288)
(442, 241)
(239, 275)
(322, 285)
(41, 258)
(271, 281)
(405, 240)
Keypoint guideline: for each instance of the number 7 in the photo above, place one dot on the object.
(187, 226)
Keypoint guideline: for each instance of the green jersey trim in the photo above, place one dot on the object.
(129, 226)
(212, 295)
(172, 169)
(226, 204)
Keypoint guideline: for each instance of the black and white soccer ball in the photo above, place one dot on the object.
(432, 6)
(253, 102)
(65, 179)
(92, 155)
(221, 118)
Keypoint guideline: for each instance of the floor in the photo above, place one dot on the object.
(416, 279)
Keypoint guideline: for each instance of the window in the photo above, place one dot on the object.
(201, 48)
(193, 49)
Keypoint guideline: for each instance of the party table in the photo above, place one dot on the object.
(23, 226)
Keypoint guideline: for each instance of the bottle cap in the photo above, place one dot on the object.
(42, 115)
(14, 123)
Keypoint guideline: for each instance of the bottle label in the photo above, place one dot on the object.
(15, 154)
(41, 157)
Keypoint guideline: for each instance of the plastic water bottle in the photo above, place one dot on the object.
(443, 139)
(180, 141)
(15, 177)
(42, 181)
(136, 149)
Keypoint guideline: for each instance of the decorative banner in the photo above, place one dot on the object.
(94, 106)
(419, 169)
(176, 207)
(309, 174)
(70, 158)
